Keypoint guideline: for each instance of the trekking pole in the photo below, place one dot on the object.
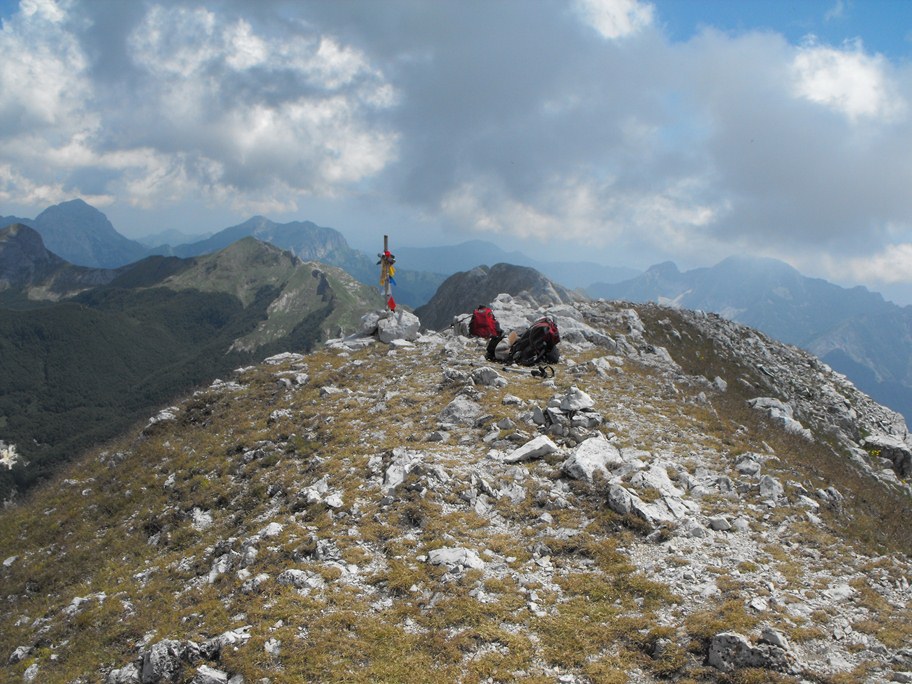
(543, 372)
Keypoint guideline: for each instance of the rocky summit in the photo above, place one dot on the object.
(685, 500)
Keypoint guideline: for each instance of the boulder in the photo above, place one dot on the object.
(456, 558)
(575, 400)
(781, 413)
(300, 579)
(593, 455)
(460, 411)
(731, 651)
(539, 447)
(895, 450)
(162, 662)
(488, 377)
(404, 461)
(398, 325)
(209, 675)
(129, 674)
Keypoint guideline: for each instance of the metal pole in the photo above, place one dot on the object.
(387, 288)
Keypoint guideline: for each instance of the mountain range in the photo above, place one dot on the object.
(854, 330)
(82, 235)
(85, 352)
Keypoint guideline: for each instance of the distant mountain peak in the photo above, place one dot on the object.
(83, 235)
(463, 291)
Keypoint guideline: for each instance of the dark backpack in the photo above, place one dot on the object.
(535, 344)
(483, 323)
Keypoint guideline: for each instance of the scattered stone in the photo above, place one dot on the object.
(539, 447)
(576, 400)
(719, 523)
(20, 654)
(781, 413)
(770, 488)
(456, 558)
(301, 580)
(747, 464)
(488, 377)
(209, 675)
(460, 411)
(202, 520)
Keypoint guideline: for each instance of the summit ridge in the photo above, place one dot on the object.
(686, 500)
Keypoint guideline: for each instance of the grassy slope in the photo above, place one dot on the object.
(119, 523)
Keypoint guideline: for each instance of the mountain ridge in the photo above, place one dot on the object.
(851, 328)
(30, 272)
(78, 368)
(686, 500)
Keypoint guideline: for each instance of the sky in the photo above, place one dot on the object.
(622, 132)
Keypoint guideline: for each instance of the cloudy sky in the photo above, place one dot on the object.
(618, 131)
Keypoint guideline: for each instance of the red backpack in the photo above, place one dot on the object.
(483, 323)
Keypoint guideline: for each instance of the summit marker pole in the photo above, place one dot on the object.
(386, 274)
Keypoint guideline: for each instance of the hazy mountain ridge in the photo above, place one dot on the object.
(81, 232)
(408, 513)
(852, 329)
(311, 242)
(85, 236)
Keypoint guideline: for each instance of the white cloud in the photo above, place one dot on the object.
(892, 265)
(849, 81)
(214, 108)
(19, 189)
(245, 49)
(53, 11)
(42, 73)
(615, 19)
(579, 209)
(301, 118)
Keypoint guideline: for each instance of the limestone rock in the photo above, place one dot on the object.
(575, 400)
(301, 579)
(398, 325)
(897, 451)
(539, 447)
(594, 455)
(731, 651)
(209, 675)
(460, 411)
(456, 558)
(162, 662)
(781, 413)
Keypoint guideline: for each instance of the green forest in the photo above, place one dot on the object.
(75, 373)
